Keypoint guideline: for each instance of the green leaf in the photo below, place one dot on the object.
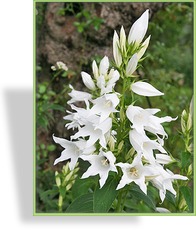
(137, 193)
(56, 107)
(104, 197)
(51, 147)
(81, 186)
(171, 198)
(82, 204)
(187, 193)
(186, 159)
(42, 89)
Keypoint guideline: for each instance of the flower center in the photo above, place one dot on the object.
(108, 104)
(105, 161)
(134, 172)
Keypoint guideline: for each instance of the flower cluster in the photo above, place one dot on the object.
(113, 135)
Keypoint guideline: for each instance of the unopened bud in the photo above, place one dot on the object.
(57, 178)
(120, 146)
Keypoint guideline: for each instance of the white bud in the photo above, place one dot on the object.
(116, 51)
(139, 28)
(95, 69)
(132, 65)
(88, 81)
(104, 66)
(122, 39)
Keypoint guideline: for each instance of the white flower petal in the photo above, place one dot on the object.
(163, 159)
(132, 65)
(64, 156)
(78, 96)
(100, 164)
(139, 28)
(88, 81)
(145, 89)
(162, 210)
(103, 179)
(63, 142)
(141, 184)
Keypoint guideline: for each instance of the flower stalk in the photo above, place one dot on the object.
(113, 133)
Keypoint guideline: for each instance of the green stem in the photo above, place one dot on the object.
(60, 203)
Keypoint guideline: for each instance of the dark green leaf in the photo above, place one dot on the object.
(186, 159)
(137, 193)
(82, 204)
(56, 107)
(187, 193)
(104, 197)
(81, 186)
(47, 195)
(171, 198)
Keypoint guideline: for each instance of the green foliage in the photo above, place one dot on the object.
(82, 204)
(104, 197)
(86, 20)
(99, 201)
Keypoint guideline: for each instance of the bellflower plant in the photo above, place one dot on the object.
(117, 137)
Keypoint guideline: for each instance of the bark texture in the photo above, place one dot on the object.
(59, 40)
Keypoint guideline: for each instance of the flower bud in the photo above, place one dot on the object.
(116, 50)
(122, 39)
(138, 29)
(120, 146)
(87, 80)
(95, 69)
(57, 178)
(132, 65)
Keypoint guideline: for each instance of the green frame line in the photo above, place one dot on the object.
(34, 120)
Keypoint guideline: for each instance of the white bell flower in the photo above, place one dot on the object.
(145, 89)
(144, 119)
(78, 118)
(138, 29)
(105, 105)
(134, 172)
(101, 164)
(106, 83)
(77, 96)
(142, 144)
(95, 131)
(72, 151)
(164, 179)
